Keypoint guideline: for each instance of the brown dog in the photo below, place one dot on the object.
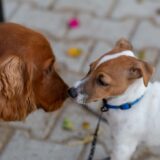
(28, 79)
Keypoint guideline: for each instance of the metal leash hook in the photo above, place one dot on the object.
(94, 141)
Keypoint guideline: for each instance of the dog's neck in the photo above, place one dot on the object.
(134, 91)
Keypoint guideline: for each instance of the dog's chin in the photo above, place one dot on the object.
(84, 101)
(81, 99)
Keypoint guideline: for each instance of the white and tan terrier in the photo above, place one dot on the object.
(133, 102)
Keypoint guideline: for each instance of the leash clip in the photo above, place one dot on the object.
(104, 108)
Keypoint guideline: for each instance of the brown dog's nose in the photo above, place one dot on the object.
(72, 92)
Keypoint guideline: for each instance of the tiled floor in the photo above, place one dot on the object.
(102, 23)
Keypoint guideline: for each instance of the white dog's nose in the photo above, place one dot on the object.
(72, 92)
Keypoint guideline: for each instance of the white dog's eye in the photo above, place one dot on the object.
(100, 81)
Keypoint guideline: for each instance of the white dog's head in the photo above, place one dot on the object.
(111, 75)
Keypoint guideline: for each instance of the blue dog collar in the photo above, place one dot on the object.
(124, 106)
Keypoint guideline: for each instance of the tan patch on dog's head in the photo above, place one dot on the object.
(113, 77)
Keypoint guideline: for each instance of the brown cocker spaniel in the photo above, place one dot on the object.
(28, 79)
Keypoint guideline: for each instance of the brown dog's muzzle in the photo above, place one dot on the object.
(52, 92)
(61, 94)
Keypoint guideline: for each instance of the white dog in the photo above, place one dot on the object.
(133, 102)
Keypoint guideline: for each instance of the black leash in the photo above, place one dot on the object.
(94, 141)
(88, 109)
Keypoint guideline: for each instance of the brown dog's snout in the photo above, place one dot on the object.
(62, 88)
(72, 92)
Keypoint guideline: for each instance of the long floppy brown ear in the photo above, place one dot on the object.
(123, 44)
(11, 76)
(141, 69)
(15, 92)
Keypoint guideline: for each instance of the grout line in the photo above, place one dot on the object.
(157, 59)
(13, 13)
(87, 56)
(112, 9)
(56, 120)
(52, 6)
(83, 152)
(134, 30)
(9, 138)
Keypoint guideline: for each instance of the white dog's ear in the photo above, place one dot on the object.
(12, 76)
(141, 69)
(123, 44)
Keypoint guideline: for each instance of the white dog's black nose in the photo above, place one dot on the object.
(72, 92)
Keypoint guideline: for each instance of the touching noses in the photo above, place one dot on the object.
(72, 92)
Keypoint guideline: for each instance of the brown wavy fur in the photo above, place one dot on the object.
(28, 79)
(16, 96)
